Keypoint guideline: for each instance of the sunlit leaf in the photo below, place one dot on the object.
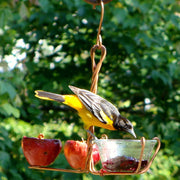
(6, 87)
(23, 11)
(10, 110)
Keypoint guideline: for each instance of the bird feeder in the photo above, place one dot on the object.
(118, 156)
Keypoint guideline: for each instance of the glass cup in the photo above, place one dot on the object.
(120, 155)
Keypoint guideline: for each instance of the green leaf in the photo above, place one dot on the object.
(5, 141)
(119, 15)
(163, 76)
(6, 87)
(3, 176)
(4, 159)
(15, 174)
(23, 11)
(10, 110)
(5, 16)
(45, 5)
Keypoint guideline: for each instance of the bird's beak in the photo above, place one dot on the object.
(131, 131)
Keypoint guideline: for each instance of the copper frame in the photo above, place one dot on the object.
(89, 160)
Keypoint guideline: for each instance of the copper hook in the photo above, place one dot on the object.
(99, 39)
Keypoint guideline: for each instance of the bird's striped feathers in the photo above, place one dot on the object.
(98, 106)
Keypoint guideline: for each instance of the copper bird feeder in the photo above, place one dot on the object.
(143, 147)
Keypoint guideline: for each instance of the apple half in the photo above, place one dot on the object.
(39, 151)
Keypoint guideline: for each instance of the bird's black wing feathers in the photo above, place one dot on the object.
(96, 104)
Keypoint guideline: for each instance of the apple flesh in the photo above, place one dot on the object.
(40, 152)
(76, 153)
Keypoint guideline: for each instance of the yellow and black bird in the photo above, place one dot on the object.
(93, 109)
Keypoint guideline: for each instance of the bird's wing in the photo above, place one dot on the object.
(98, 106)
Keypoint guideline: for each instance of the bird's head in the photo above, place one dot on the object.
(123, 124)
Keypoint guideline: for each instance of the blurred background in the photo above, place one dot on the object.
(45, 44)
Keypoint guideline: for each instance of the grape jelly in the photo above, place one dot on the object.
(123, 164)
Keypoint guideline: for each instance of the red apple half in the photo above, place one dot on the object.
(40, 152)
(76, 153)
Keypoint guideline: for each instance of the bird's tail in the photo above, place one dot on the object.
(49, 96)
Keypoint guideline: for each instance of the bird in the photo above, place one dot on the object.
(92, 109)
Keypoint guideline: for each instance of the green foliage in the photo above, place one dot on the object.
(49, 43)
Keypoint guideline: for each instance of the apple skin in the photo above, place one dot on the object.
(76, 153)
(40, 152)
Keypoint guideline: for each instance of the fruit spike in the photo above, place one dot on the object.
(41, 136)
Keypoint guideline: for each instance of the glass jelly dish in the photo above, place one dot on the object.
(120, 155)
